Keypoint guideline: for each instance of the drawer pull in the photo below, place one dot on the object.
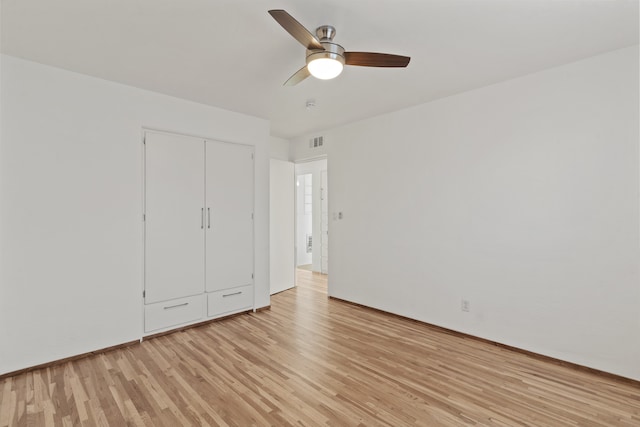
(177, 305)
(230, 295)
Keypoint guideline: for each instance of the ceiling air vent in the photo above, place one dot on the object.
(316, 142)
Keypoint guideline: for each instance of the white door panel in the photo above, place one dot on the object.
(324, 242)
(229, 228)
(281, 225)
(174, 203)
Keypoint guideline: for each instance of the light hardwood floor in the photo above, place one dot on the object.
(313, 361)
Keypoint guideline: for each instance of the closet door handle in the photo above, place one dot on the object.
(208, 217)
(230, 295)
(176, 306)
(202, 218)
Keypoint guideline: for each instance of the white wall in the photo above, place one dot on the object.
(4, 321)
(521, 197)
(71, 174)
(279, 148)
(299, 149)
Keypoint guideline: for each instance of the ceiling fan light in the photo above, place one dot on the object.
(325, 68)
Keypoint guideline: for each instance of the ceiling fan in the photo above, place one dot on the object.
(325, 59)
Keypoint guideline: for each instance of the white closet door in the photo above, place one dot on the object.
(174, 225)
(229, 199)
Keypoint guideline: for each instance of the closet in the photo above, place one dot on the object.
(198, 218)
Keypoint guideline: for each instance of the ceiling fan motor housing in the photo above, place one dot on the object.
(331, 51)
(325, 34)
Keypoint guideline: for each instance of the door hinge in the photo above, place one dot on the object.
(251, 215)
(252, 275)
(144, 294)
(252, 155)
(144, 217)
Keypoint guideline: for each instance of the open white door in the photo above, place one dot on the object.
(324, 242)
(282, 225)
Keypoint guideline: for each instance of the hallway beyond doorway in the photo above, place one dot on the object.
(312, 215)
(311, 280)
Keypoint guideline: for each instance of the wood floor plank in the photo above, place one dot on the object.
(312, 361)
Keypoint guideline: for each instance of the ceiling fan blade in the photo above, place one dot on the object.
(296, 29)
(298, 76)
(370, 59)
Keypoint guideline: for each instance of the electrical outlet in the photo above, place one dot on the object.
(464, 305)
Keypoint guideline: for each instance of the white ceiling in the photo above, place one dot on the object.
(232, 54)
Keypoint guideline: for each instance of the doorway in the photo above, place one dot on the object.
(312, 217)
(304, 221)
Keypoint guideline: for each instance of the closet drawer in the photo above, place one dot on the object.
(173, 313)
(230, 300)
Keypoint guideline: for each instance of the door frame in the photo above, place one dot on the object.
(295, 177)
